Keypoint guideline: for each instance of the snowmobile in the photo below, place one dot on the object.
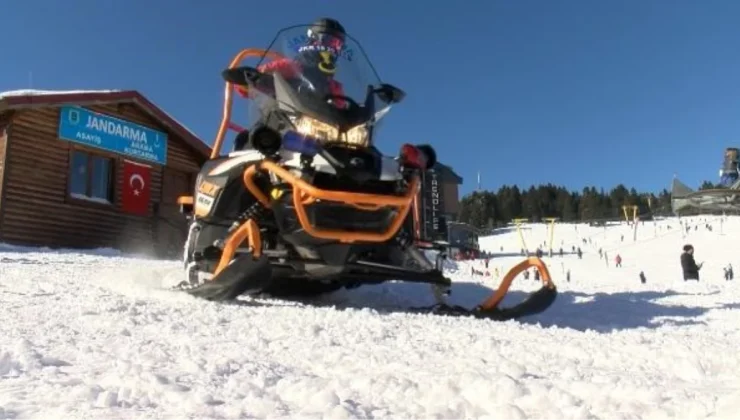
(304, 203)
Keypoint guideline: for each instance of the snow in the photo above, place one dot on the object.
(90, 335)
(34, 92)
(98, 200)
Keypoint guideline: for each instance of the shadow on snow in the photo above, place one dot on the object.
(600, 312)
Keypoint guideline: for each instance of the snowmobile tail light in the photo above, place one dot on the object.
(327, 133)
(299, 143)
(413, 156)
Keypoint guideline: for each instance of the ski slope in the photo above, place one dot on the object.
(90, 336)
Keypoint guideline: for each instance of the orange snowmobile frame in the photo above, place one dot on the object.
(305, 194)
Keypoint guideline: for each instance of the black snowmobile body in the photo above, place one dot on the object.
(300, 263)
(305, 203)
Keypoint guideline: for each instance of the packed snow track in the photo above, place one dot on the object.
(92, 336)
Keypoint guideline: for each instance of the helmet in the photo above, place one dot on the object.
(327, 32)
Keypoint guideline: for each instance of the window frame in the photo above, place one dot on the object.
(88, 199)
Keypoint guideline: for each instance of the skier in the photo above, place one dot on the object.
(729, 275)
(318, 56)
(618, 261)
(688, 264)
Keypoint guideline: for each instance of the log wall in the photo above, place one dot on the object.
(451, 201)
(4, 121)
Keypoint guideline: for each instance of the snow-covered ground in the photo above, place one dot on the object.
(90, 336)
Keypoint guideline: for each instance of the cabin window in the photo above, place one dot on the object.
(91, 177)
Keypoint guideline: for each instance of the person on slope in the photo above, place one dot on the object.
(318, 56)
(688, 265)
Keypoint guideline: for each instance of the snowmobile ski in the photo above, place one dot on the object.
(535, 303)
(244, 275)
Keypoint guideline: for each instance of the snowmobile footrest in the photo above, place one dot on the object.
(245, 274)
(369, 271)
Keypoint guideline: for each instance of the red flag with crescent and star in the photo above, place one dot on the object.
(136, 191)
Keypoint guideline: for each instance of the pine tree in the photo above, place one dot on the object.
(488, 209)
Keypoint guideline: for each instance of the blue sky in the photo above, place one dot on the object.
(571, 92)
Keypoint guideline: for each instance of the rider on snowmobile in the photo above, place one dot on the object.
(326, 38)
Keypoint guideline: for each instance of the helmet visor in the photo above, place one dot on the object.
(331, 42)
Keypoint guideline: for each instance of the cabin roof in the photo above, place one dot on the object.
(28, 98)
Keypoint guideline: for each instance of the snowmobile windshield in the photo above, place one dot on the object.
(325, 83)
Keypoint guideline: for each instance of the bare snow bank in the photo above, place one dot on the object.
(91, 336)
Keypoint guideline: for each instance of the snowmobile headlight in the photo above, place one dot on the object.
(327, 133)
(316, 129)
(357, 136)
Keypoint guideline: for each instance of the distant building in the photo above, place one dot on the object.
(438, 202)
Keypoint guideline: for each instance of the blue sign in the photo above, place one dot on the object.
(113, 134)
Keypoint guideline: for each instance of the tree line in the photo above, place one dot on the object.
(489, 209)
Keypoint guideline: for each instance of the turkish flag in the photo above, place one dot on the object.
(136, 191)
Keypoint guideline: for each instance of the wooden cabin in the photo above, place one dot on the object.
(94, 169)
